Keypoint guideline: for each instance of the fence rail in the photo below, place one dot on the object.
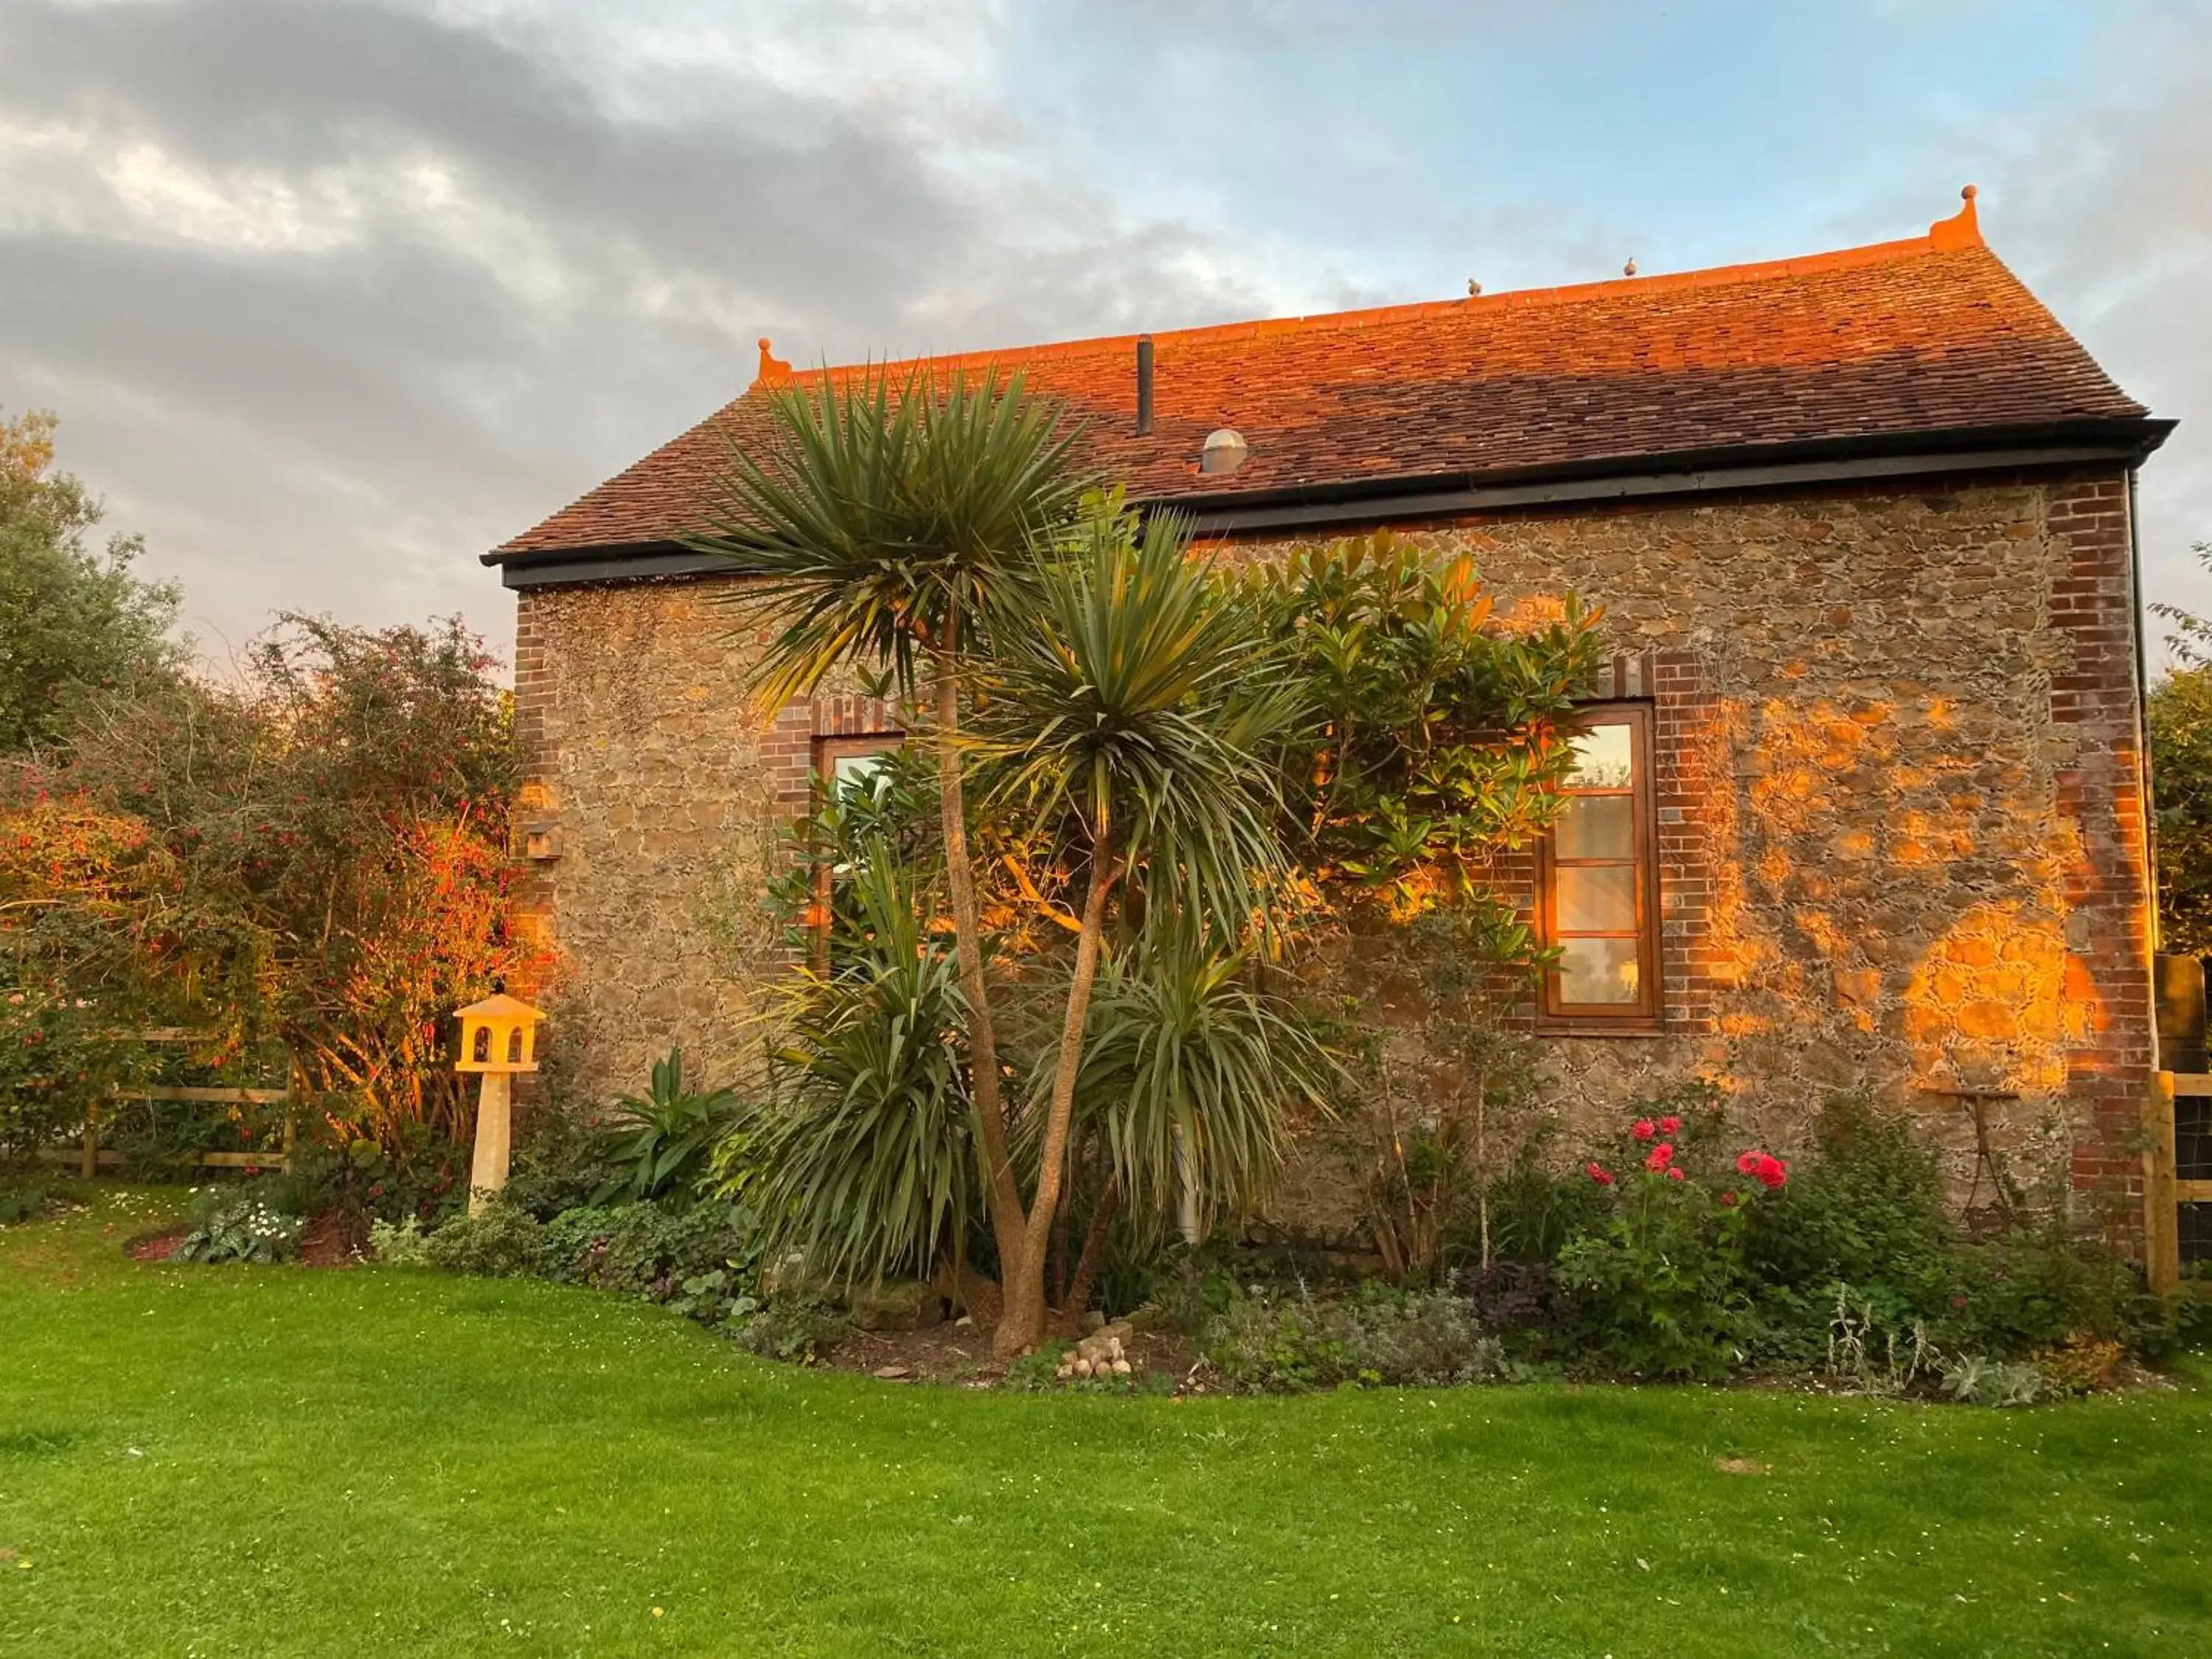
(89, 1157)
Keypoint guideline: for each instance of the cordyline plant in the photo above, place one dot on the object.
(883, 530)
(1152, 771)
(1129, 712)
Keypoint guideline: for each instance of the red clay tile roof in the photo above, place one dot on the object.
(1931, 334)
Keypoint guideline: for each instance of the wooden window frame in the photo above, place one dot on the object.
(1645, 1015)
(827, 752)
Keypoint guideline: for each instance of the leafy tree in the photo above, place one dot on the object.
(316, 859)
(2181, 764)
(73, 620)
(1437, 741)
(1437, 738)
(2181, 770)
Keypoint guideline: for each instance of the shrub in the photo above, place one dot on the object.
(1533, 1212)
(231, 1224)
(399, 1243)
(1521, 1298)
(660, 1143)
(2082, 1364)
(1868, 1212)
(1663, 1289)
(796, 1329)
(559, 1163)
(1377, 1336)
(2039, 1289)
(21, 1203)
(703, 1262)
(1975, 1380)
(500, 1243)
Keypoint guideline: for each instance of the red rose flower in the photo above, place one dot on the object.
(1729, 1199)
(1598, 1173)
(1771, 1172)
(1645, 1130)
(1670, 1126)
(1748, 1163)
(1662, 1156)
(1673, 1174)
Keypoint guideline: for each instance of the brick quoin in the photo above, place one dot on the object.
(2094, 698)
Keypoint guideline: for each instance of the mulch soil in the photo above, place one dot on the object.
(331, 1240)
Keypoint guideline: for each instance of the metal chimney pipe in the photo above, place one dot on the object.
(1144, 384)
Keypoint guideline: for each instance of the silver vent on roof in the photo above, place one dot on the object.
(1225, 451)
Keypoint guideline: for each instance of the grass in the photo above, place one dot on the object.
(281, 1461)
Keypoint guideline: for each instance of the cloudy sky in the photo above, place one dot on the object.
(333, 295)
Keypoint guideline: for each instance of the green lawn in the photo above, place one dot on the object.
(198, 1461)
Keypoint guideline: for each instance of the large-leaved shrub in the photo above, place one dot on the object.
(1867, 1211)
(235, 1223)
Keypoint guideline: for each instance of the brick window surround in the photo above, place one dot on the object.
(1597, 893)
(1680, 816)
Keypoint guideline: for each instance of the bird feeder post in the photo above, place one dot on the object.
(499, 1038)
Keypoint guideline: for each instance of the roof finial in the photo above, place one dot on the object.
(1473, 288)
(1961, 229)
(1629, 269)
(774, 371)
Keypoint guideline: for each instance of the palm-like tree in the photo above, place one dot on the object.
(1192, 1072)
(883, 526)
(1130, 707)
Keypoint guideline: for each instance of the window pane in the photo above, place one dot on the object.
(1605, 758)
(1599, 971)
(1596, 899)
(855, 773)
(1596, 827)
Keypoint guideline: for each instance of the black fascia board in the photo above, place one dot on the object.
(1288, 508)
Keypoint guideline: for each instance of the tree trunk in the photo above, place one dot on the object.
(1482, 1160)
(1023, 1325)
(1002, 1195)
(1063, 1219)
(1093, 1259)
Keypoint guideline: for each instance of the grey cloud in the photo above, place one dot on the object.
(347, 426)
(2108, 217)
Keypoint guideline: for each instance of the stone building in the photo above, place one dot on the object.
(1868, 806)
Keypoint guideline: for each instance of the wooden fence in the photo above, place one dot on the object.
(2165, 1190)
(89, 1157)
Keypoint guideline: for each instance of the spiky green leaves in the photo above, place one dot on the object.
(867, 1164)
(1130, 703)
(883, 515)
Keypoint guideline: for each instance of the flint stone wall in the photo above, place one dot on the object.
(1901, 838)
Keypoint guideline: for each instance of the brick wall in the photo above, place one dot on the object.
(2096, 719)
